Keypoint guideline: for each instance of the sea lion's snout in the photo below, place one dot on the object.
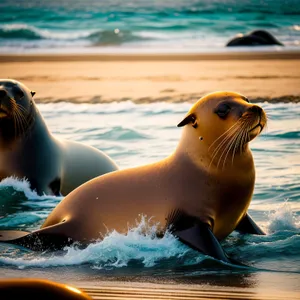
(10, 94)
(256, 109)
(3, 93)
(259, 120)
(4, 99)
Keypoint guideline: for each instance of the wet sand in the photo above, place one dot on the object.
(125, 283)
(105, 291)
(102, 78)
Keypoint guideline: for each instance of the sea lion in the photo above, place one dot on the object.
(28, 149)
(254, 38)
(36, 289)
(201, 192)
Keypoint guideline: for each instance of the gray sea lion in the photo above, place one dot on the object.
(254, 38)
(28, 149)
(201, 192)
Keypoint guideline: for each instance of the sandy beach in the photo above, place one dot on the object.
(110, 291)
(100, 78)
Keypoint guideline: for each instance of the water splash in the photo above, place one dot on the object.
(141, 247)
(114, 251)
(22, 207)
(283, 218)
(21, 185)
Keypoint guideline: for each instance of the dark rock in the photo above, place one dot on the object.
(254, 38)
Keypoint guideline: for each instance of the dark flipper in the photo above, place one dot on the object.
(247, 225)
(201, 238)
(194, 233)
(55, 186)
(37, 241)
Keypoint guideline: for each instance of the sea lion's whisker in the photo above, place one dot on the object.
(223, 134)
(18, 128)
(28, 120)
(21, 108)
(14, 110)
(226, 149)
(15, 126)
(22, 112)
(239, 141)
(224, 140)
(219, 147)
(228, 146)
(234, 141)
(22, 120)
(245, 136)
(231, 142)
(239, 122)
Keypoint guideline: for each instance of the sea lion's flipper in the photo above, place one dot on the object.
(11, 235)
(40, 240)
(247, 225)
(201, 238)
(55, 187)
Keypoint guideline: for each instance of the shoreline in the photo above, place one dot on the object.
(224, 55)
(147, 100)
(89, 78)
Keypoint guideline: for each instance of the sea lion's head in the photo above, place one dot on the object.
(16, 108)
(225, 122)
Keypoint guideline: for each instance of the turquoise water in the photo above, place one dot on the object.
(155, 26)
(138, 134)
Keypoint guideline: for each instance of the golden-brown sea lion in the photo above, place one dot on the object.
(28, 149)
(37, 289)
(201, 192)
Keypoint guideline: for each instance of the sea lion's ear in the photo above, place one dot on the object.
(191, 118)
(32, 93)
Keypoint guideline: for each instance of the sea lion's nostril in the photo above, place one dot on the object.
(3, 93)
(255, 109)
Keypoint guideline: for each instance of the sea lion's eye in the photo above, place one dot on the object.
(19, 93)
(223, 110)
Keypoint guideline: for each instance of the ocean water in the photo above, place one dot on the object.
(142, 25)
(136, 134)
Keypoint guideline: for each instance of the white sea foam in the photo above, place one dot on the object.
(140, 244)
(23, 185)
(115, 250)
(25, 31)
(283, 218)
